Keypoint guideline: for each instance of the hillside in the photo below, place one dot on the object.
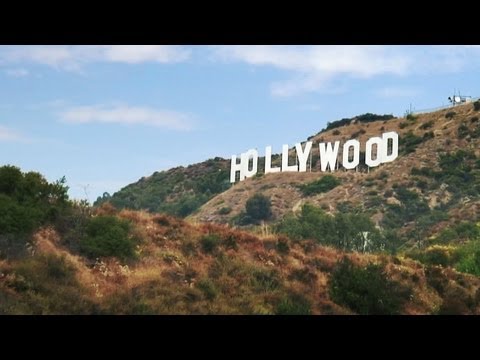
(178, 191)
(180, 268)
(403, 238)
(436, 175)
(59, 256)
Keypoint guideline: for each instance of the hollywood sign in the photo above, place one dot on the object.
(386, 150)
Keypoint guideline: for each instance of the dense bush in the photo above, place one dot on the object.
(346, 231)
(324, 184)
(450, 114)
(365, 118)
(108, 236)
(476, 105)
(258, 207)
(469, 258)
(209, 243)
(411, 208)
(366, 291)
(462, 131)
(225, 210)
(435, 255)
(464, 231)
(27, 201)
(408, 143)
(293, 304)
(411, 117)
(427, 125)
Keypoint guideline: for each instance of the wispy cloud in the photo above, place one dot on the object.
(72, 57)
(318, 68)
(127, 115)
(9, 135)
(397, 91)
(314, 67)
(18, 72)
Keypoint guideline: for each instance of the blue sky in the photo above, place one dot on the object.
(104, 116)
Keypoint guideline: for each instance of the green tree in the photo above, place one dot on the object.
(108, 236)
(258, 207)
(367, 290)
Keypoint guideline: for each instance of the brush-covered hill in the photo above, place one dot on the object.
(434, 183)
(178, 191)
(59, 256)
(131, 262)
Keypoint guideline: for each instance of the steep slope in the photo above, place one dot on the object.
(439, 161)
(178, 191)
(180, 268)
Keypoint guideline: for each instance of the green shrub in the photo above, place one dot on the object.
(474, 119)
(27, 201)
(462, 131)
(408, 142)
(476, 105)
(436, 256)
(108, 236)
(366, 291)
(403, 125)
(469, 258)
(293, 304)
(356, 134)
(225, 210)
(336, 132)
(428, 135)
(282, 246)
(450, 114)
(411, 117)
(324, 184)
(258, 207)
(427, 125)
(347, 231)
(464, 231)
(209, 243)
(208, 288)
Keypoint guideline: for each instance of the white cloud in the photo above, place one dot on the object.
(320, 68)
(8, 135)
(18, 72)
(316, 66)
(72, 57)
(397, 91)
(128, 115)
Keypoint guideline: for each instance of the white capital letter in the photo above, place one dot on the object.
(368, 151)
(250, 154)
(387, 136)
(328, 155)
(268, 161)
(236, 167)
(285, 166)
(303, 155)
(356, 154)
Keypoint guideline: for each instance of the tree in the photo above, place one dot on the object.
(258, 207)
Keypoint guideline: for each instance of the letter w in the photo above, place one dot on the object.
(328, 155)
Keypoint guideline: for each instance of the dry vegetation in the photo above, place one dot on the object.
(211, 269)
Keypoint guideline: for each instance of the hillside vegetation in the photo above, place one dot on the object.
(179, 191)
(106, 261)
(403, 238)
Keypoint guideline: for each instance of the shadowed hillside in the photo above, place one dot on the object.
(178, 191)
